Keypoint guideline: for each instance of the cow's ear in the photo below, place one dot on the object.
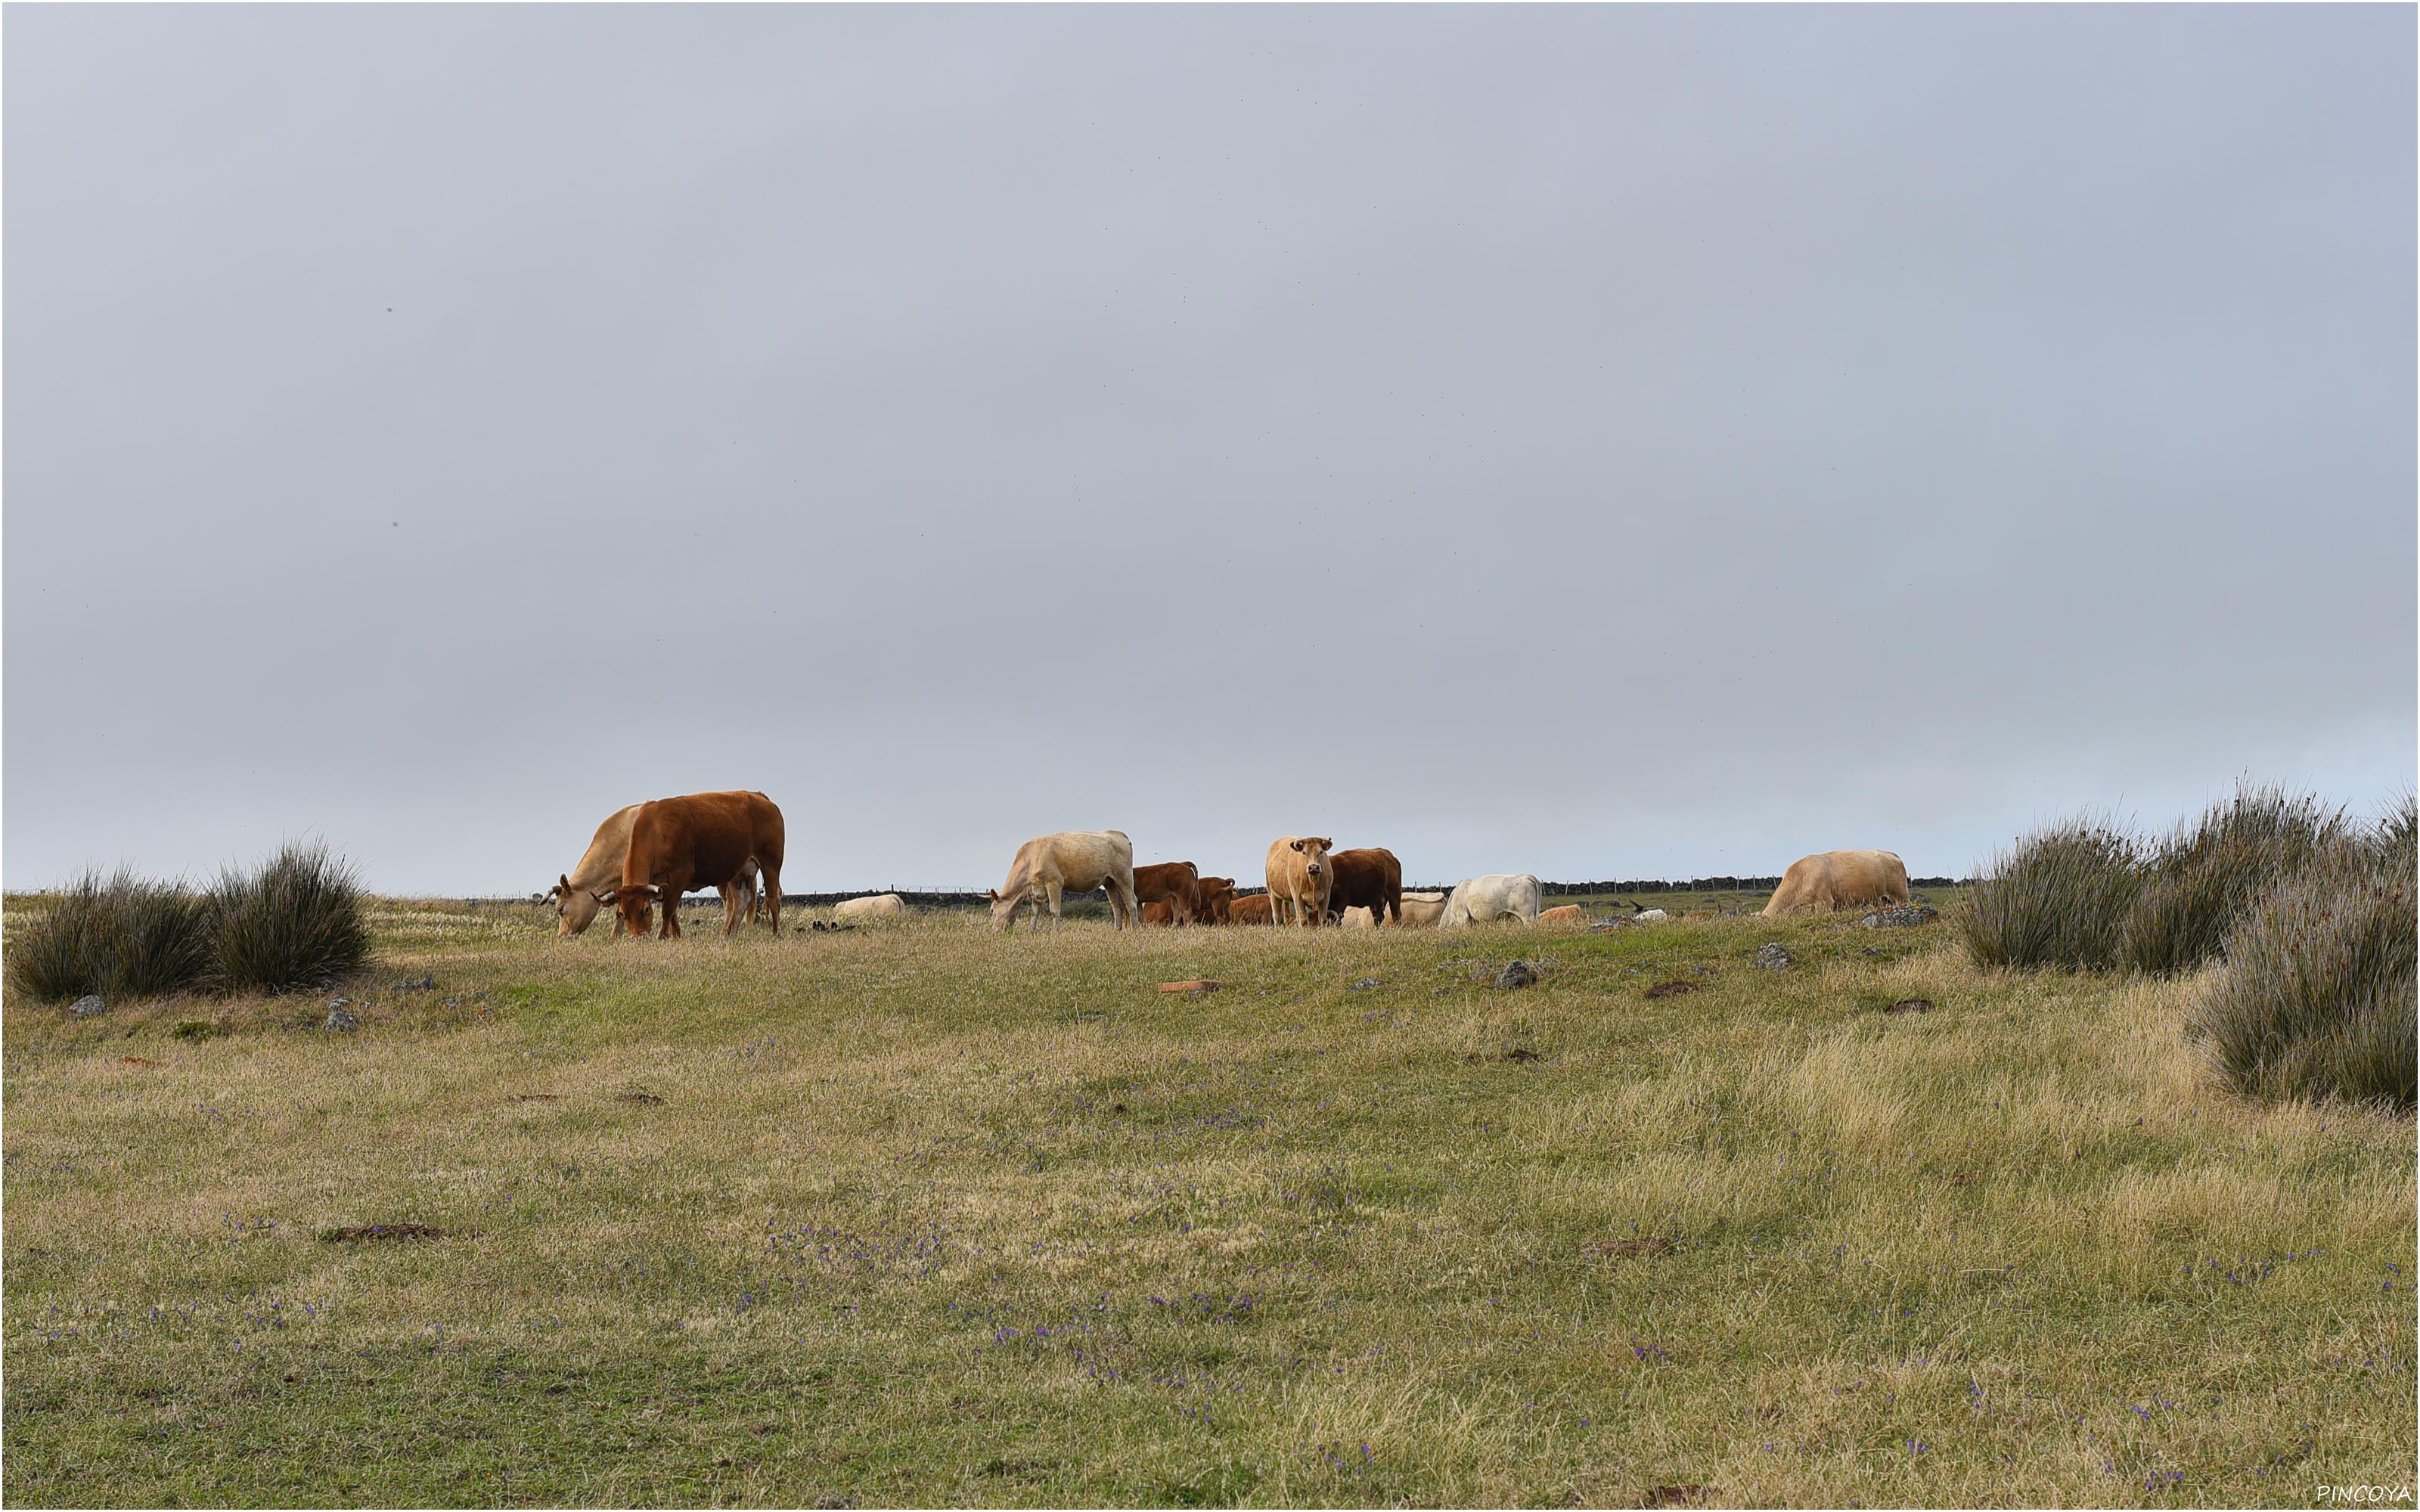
(1298, 844)
(993, 895)
(1326, 844)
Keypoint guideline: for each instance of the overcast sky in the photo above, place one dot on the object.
(1604, 442)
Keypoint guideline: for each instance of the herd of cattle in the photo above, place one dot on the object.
(652, 852)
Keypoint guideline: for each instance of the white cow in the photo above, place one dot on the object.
(1074, 860)
(883, 905)
(1485, 899)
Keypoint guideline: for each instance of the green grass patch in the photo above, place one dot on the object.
(925, 1216)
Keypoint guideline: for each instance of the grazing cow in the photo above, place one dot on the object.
(1357, 917)
(1216, 893)
(1421, 910)
(1567, 914)
(1834, 880)
(1174, 883)
(575, 896)
(1371, 879)
(1256, 909)
(1485, 899)
(881, 905)
(1073, 860)
(1299, 879)
(702, 840)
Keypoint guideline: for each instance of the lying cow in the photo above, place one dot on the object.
(1299, 879)
(1357, 917)
(1159, 913)
(881, 905)
(1371, 879)
(1174, 883)
(1421, 910)
(702, 840)
(1073, 860)
(575, 893)
(1834, 880)
(1567, 914)
(1485, 899)
(1256, 909)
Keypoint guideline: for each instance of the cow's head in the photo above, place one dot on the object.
(636, 902)
(574, 908)
(1003, 909)
(1314, 855)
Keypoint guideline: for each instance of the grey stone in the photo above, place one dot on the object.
(342, 1021)
(1773, 957)
(1904, 914)
(88, 1005)
(1517, 975)
(1361, 986)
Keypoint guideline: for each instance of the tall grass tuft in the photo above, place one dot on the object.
(119, 936)
(2320, 994)
(2211, 871)
(293, 923)
(2060, 899)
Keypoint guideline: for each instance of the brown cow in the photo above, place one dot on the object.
(1252, 910)
(1216, 893)
(1567, 914)
(1371, 879)
(699, 841)
(1174, 883)
(1299, 878)
(1158, 912)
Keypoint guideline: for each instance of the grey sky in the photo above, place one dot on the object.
(1595, 441)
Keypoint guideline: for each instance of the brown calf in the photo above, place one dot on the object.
(1371, 879)
(1251, 910)
(1174, 883)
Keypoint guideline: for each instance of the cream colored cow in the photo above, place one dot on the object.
(1074, 860)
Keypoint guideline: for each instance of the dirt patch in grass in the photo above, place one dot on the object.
(368, 1231)
(1673, 988)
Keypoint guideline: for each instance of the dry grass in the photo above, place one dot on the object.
(926, 1215)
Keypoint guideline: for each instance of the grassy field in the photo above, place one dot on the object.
(928, 1215)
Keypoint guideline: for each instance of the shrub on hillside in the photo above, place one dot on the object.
(2060, 899)
(2320, 991)
(121, 937)
(294, 922)
(2211, 871)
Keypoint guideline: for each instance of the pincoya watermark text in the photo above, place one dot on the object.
(2376, 1495)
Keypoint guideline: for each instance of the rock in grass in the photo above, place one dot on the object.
(340, 1021)
(88, 1005)
(1517, 975)
(1773, 957)
(1903, 914)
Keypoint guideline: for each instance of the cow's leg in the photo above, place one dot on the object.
(769, 879)
(1134, 906)
(731, 912)
(1050, 888)
(669, 930)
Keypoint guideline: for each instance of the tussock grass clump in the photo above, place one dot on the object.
(2211, 871)
(120, 937)
(293, 923)
(2062, 899)
(2316, 1000)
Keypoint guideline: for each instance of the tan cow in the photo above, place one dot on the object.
(575, 893)
(1567, 914)
(1299, 878)
(1074, 860)
(1421, 910)
(881, 905)
(1832, 880)
(1357, 917)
